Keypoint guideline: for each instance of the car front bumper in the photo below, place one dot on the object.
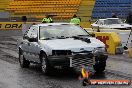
(89, 61)
(60, 60)
(72, 60)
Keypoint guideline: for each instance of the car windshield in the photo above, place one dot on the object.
(65, 31)
(113, 21)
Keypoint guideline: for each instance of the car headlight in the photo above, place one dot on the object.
(99, 50)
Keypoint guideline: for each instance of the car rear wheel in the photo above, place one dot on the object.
(45, 66)
(23, 62)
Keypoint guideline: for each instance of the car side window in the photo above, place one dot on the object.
(31, 33)
(26, 34)
(100, 22)
(34, 33)
(97, 22)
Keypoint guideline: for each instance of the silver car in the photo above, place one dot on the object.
(61, 44)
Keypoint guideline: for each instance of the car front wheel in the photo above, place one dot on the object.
(23, 62)
(99, 67)
(45, 66)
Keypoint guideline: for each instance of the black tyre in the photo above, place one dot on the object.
(45, 66)
(23, 62)
(99, 67)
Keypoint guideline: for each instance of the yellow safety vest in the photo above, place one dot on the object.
(75, 21)
(47, 20)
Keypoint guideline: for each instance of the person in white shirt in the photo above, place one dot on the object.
(25, 26)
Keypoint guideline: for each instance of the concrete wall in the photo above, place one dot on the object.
(4, 15)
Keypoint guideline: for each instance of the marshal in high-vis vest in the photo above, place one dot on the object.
(47, 19)
(75, 20)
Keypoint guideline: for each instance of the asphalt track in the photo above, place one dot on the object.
(13, 76)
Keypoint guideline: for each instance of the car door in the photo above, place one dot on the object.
(25, 43)
(33, 46)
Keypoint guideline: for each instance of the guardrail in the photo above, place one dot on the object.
(18, 25)
(12, 25)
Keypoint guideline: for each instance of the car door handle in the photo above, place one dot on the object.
(29, 44)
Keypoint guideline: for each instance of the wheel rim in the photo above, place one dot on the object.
(44, 65)
(21, 59)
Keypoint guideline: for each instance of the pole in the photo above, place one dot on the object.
(125, 47)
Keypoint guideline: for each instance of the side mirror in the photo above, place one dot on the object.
(32, 40)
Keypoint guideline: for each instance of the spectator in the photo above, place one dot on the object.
(47, 19)
(75, 20)
(25, 25)
(129, 18)
(114, 15)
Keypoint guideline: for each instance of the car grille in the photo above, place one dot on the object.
(82, 52)
(82, 60)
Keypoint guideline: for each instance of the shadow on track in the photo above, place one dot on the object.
(66, 74)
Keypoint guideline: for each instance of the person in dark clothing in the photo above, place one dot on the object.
(114, 15)
(129, 18)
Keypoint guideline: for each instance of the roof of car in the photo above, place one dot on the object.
(112, 18)
(51, 24)
(102, 19)
(108, 19)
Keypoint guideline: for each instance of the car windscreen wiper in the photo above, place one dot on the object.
(83, 35)
(77, 36)
(48, 38)
(61, 37)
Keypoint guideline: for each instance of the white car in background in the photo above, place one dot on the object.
(111, 23)
(61, 44)
(114, 25)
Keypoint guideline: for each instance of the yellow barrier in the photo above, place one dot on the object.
(10, 25)
(110, 39)
(85, 24)
(18, 25)
(130, 52)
